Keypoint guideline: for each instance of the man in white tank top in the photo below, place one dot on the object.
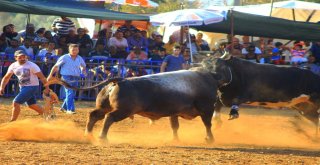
(28, 74)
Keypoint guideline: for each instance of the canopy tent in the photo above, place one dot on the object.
(76, 9)
(262, 26)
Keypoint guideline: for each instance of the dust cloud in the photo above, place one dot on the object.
(249, 130)
(41, 131)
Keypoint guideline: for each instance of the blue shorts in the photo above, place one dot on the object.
(27, 94)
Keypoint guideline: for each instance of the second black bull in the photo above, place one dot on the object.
(186, 94)
(265, 85)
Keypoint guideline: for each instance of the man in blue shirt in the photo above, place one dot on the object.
(72, 66)
(173, 62)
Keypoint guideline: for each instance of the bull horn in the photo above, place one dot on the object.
(226, 55)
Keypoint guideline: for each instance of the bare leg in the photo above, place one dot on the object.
(15, 111)
(175, 126)
(37, 108)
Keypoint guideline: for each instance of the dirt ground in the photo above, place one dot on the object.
(259, 136)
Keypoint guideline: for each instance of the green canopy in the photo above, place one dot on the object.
(262, 26)
(77, 9)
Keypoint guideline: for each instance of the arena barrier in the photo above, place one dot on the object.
(98, 68)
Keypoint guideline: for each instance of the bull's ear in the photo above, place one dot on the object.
(226, 55)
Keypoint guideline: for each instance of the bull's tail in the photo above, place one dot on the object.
(55, 80)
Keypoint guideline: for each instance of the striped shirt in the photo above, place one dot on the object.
(63, 26)
(70, 67)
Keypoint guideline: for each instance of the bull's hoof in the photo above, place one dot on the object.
(234, 114)
(209, 140)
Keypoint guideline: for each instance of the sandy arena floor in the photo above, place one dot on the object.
(259, 136)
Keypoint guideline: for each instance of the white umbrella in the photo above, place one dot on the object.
(187, 17)
(291, 10)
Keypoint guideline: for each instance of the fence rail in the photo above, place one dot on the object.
(98, 69)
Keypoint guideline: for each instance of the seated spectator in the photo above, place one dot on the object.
(14, 46)
(8, 33)
(252, 53)
(127, 34)
(127, 26)
(277, 54)
(237, 48)
(84, 42)
(268, 51)
(27, 49)
(48, 36)
(158, 54)
(72, 37)
(3, 44)
(311, 65)
(298, 55)
(120, 43)
(99, 50)
(203, 44)
(170, 44)
(62, 45)
(137, 54)
(48, 52)
(39, 39)
(136, 40)
(315, 50)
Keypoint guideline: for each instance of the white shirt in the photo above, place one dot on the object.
(25, 73)
(118, 43)
(256, 51)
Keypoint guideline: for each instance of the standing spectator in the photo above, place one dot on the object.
(315, 50)
(84, 41)
(203, 44)
(277, 54)
(311, 65)
(28, 74)
(187, 57)
(194, 47)
(72, 66)
(29, 33)
(170, 44)
(26, 47)
(252, 53)
(61, 26)
(173, 62)
(120, 43)
(72, 37)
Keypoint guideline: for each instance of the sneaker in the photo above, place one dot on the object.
(71, 112)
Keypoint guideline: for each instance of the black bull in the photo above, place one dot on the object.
(264, 84)
(186, 94)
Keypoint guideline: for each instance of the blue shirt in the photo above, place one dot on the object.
(173, 63)
(70, 67)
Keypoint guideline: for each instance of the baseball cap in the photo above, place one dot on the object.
(19, 53)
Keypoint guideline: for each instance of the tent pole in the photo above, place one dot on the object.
(293, 15)
(232, 28)
(28, 18)
(271, 8)
(310, 16)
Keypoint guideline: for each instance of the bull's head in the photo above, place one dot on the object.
(219, 67)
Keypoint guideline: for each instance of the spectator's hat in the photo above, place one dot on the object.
(19, 53)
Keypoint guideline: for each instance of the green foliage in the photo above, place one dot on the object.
(20, 20)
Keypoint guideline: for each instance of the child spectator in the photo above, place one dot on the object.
(298, 54)
(277, 54)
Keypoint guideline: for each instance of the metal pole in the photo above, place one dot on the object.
(181, 27)
(271, 8)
